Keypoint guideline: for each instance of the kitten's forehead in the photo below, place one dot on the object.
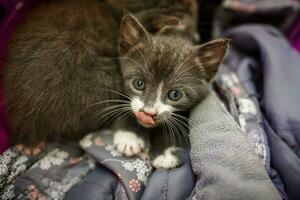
(169, 51)
(167, 55)
(166, 59)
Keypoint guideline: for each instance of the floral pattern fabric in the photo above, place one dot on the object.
(52, 173)
(133, 172)
(45, 176)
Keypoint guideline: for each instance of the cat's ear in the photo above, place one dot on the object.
(163, 23)
(211, 54)
(132, 33)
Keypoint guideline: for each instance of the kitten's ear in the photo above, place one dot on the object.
(163, 23)
(211, 54)
(132, 33)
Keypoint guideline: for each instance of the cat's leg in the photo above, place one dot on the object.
(31, 150)
(170, 158)
(128, 142)
(28, 144)
(165, 152)
(128, 139)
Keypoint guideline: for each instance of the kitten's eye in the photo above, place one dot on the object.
(174, 95)
(139, 84)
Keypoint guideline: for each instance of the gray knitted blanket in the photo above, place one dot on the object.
(223, 158)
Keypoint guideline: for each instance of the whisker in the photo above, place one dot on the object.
(108, 101)
(111, 108)
(116, 92)
(178, 126)
(170, 131)
(188, 120)
(115, 111)
(113, 115)
(124, 116)
(177, 137)
(183, 130)
(177, 133)
(164, 133)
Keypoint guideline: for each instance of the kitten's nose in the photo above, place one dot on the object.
(150, 111)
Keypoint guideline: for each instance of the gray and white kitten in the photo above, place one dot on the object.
(164, 77)
(70, 66)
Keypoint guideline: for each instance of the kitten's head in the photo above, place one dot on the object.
(164, 74)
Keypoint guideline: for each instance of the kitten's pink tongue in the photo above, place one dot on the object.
(145, 118)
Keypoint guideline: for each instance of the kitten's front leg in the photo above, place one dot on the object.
(128, 139)
(128, 142)
(165, 153)
(170, 158)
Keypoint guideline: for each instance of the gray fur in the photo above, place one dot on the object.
(62, 68)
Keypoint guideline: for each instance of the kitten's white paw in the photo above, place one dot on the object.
(167, 160)
(128, 143)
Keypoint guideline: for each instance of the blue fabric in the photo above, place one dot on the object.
(99, 184)
(175, 184)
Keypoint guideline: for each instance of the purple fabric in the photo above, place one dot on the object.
(15, 11)
(276, 79)
(294, 35)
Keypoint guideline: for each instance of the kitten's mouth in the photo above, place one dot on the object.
(145, 119)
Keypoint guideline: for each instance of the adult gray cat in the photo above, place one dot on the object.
(80, 69)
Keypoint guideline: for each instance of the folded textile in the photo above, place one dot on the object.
(268, 69)
(224, 158)
(98, 172)
(294, 34)
(224, 164)
(279, 13)
(45, 176)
